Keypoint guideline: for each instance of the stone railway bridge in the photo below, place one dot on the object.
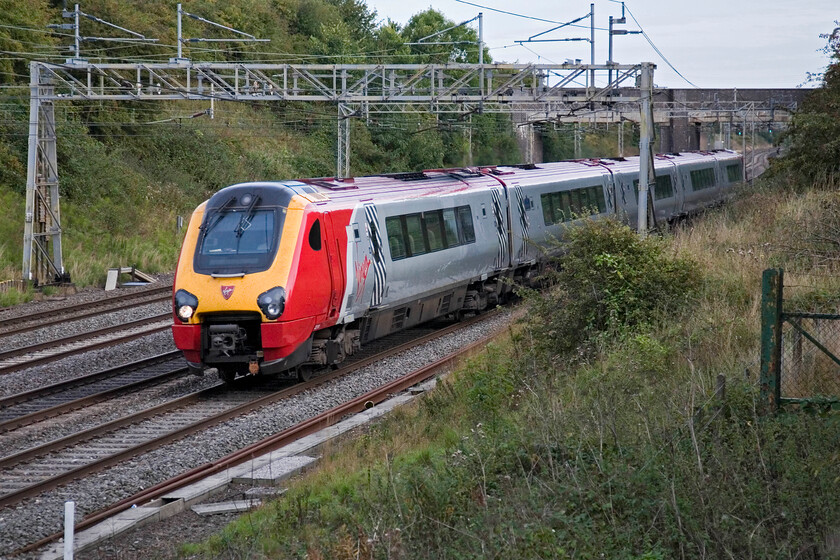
(686, 119)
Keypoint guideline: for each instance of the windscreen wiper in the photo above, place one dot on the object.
(217, 217)
(245, 220)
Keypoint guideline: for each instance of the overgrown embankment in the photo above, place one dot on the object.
(594, 430)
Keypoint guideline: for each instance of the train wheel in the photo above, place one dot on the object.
(305, 373)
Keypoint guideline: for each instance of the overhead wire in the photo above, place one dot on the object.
(654, 47)
(525, 16)
(44, 31)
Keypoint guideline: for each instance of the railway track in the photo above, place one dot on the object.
(46, 352)
(59, 398)
(27, 473)
(32, 471)
(42, 319)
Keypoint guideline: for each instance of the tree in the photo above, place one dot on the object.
(24, 31)
(455, 43)
(814, 134)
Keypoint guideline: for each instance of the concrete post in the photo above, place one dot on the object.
(646, 175)
(69, 523)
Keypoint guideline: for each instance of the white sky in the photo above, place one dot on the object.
(713, 43)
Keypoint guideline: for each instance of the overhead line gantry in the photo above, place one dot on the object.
(533, 92)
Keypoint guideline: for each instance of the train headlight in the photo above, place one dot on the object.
(272, 302)
(185, 305)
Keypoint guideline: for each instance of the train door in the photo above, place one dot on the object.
(688, 189)
(501, 211)
(608, 186)
(673, 205)
(679, 188)
(519, 224)
(358, 265)
(627, 197)
(332, 243)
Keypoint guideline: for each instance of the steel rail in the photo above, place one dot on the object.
(18, 398)
(280, 439)
(87, 400)
(61, 443)
(23, 351)
(89, 307)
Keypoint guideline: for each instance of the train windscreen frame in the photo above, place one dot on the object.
(239, 236)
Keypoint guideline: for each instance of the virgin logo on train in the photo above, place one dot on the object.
(227, 291)
(361, 277)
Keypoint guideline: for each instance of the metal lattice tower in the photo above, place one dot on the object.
(42, 256)
(342, 149)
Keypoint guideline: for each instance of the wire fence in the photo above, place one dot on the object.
(809, 356)
(800, 345)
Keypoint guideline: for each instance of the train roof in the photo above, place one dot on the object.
(443, 182)
(397, 186)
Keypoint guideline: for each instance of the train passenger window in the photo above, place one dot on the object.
(548, 211)
(417, 234)
(591, 200)
(600, 201)
(702, 178)
(432, 222)
(315, 236)
(574, 205)
(734, 173)
(556, 208)
(416, 241)
(465, 225)
(663, 188)
(566, 206)
(585, 203)
(450, 226)
(396, 240)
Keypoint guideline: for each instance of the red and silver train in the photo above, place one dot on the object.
(284, 276)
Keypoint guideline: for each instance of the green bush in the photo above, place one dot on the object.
(610, 280)
(814, 135)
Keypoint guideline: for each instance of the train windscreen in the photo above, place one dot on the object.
(239, 240)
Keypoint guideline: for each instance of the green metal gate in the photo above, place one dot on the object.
(799, 351)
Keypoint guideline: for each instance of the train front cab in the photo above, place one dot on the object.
(253, 282)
